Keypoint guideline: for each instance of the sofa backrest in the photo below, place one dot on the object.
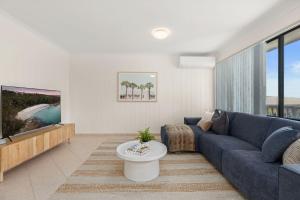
(231, 115)
(279, 123)
(251, 128)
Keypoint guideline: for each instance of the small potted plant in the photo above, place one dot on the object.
(145, 136)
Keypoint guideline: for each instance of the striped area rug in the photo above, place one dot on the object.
(182, 176)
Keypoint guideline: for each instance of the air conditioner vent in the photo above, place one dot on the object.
(197, 62)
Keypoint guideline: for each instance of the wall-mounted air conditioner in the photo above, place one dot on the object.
(197, 62)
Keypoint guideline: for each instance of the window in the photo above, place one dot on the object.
(272, 78)
(283, 75)
(292, 74)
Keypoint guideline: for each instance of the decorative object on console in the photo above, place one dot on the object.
(205, 123)
(220, 121)
(292, 153)
(137, 86)
(275, 145)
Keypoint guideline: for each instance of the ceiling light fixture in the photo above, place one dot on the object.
(161, 33)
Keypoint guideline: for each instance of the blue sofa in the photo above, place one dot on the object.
(238, 156)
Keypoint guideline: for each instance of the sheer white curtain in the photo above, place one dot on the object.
(240, 81)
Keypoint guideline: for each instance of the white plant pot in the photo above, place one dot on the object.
(147, 144)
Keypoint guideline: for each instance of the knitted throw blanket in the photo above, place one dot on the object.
(181, 138)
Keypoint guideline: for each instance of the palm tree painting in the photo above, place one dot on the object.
(126, 84)
(132, 86)
(137, 86)
(149, 86)
(142, 88)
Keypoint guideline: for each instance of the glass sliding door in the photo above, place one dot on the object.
(272, 78)
(292, 75)
(283, 75)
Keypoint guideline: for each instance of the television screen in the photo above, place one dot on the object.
(26, 109)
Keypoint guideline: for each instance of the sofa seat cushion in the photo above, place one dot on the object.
(212, 146)
(247, 171)
(250, 128)
(289, 181)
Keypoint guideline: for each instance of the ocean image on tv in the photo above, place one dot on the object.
(26, 109)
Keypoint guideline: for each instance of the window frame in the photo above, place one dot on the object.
(280, 40)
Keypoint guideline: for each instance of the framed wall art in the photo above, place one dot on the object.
(137, 86)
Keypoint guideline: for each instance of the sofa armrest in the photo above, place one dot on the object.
(191, 120)
(289, 182)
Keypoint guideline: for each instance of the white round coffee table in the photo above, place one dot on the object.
(142, 168)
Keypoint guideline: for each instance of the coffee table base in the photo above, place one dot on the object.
(141, 171)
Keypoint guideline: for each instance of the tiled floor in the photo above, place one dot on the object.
(38, 178)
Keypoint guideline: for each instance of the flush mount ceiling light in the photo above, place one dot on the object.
(161, 33)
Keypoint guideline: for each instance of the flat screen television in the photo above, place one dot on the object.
(27, 109)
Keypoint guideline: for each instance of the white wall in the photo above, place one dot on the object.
(93, 93)
(270, 24)
(27, 59)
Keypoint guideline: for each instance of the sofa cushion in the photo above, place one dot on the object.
(247, 171)
(205, 126)
(289, 181)
(205, 123)
(251, 128)
(220, 121)
(292, 154)
(212, 146)
(275, 145)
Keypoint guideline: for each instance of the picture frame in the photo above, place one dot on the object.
(137, 86)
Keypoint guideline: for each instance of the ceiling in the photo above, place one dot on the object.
(124, 26)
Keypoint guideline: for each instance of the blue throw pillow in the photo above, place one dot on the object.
(275, 145)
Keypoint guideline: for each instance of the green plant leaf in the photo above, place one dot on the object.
(145, 135)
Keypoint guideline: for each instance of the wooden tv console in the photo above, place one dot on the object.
(24, 147)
